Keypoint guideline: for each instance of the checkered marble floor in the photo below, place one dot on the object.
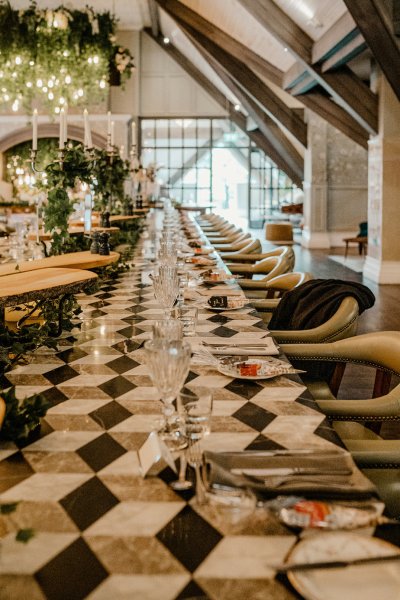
(102, 531)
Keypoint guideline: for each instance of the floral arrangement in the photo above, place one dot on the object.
(64, 56)
(109, 176)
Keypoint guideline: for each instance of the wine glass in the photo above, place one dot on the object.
(166, 287)
(168, 363)
(167, 329)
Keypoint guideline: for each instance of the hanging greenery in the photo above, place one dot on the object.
(109, 176)
(64, 56)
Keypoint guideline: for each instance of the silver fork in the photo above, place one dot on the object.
(195, 460)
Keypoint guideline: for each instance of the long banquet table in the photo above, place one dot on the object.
(101, 530)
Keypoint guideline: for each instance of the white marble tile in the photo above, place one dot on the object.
(246, 557)
(63, 441)
(76, 407)
(89, 379)
(16, 558)
(224, 408)
(270, 392)
(140, 587)
(135, 519)
(224, 442)
(211, 381)
(45, 487)
(137, 423)
(127, 464)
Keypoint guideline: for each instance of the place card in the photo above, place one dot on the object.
(152, 454)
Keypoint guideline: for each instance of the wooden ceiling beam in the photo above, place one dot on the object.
(346, 53)
(341, 32)
(241, 73)
(155, 22)
(375, 27)
(343, 85)
(237, 117)
(238, 50)
(327, 109)
(275, 144)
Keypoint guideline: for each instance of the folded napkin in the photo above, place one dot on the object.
(308, 473)
(266, 347)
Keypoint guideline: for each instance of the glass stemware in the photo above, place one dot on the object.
(167, 329)
(168, 363)
(166, 287)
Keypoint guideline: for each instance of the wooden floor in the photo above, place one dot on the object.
(383, 316)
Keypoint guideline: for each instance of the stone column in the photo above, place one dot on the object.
(315, 233)
(383, 261)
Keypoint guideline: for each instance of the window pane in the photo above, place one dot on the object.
(148, 132)
(175, 132)
(203, 132)
(175, 158)
(189, 132)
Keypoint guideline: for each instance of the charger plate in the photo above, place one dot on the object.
(361, 582)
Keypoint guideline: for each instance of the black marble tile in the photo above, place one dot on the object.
(122, 364)
(254, 416)
(127, 346)
(244, 389)
(68, 356)
(223, 331)
(189, 538)
(101, 451)
(72, 574)
(190, 377)
(192, 592)
(263, 443)
(325, 431)
(103, 296)
(54, 396)
(110, 414)
(131, 331)
(99, 304)
(13, 470)
(219, 319)
(87, 503)
(61, 374)
(117, 387)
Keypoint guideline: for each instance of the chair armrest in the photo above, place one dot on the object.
(267, 305)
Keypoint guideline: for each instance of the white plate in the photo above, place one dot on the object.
(230, 372)
(206, 305)
(375, 581)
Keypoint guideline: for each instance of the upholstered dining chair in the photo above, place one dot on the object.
(234, 245)
(379, 458)
(251, 257)
(271, 267)
(253, 247)
(274, 288)
(229, 238)
(341, 325)
(241, 258)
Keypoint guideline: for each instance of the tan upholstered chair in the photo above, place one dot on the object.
(229, 238)
(274, 288)
(272, 266)
(236, 244)
(243, 258)
(254, 246)
(343, 324)
(379, 458)
(279, 233)
(251, 257)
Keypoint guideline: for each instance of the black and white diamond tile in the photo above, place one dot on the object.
(101, 531)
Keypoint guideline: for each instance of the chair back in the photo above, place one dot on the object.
(342, 324)
(363, 231)
(277, 265)
(288, 281)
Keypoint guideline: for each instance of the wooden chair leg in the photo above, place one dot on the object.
(382, 383)
(336, 378)
(346, 249)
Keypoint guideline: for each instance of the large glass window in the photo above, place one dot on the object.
(209, 160)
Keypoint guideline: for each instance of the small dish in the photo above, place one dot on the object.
(247, 369)
(362, 582)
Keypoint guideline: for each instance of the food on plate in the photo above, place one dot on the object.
(228, 302)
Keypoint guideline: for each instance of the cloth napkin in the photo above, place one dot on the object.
(329, 484)
(267, 347)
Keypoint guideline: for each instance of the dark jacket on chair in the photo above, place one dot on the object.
(314, 302)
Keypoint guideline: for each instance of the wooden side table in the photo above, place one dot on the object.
(362, 244)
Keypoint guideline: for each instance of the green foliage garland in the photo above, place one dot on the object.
(109, 175)
(64, 55)
(59, 207)
(22, 417)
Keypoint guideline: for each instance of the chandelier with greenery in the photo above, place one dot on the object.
(49, 58)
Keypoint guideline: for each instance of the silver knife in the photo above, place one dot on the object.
(334, 564)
